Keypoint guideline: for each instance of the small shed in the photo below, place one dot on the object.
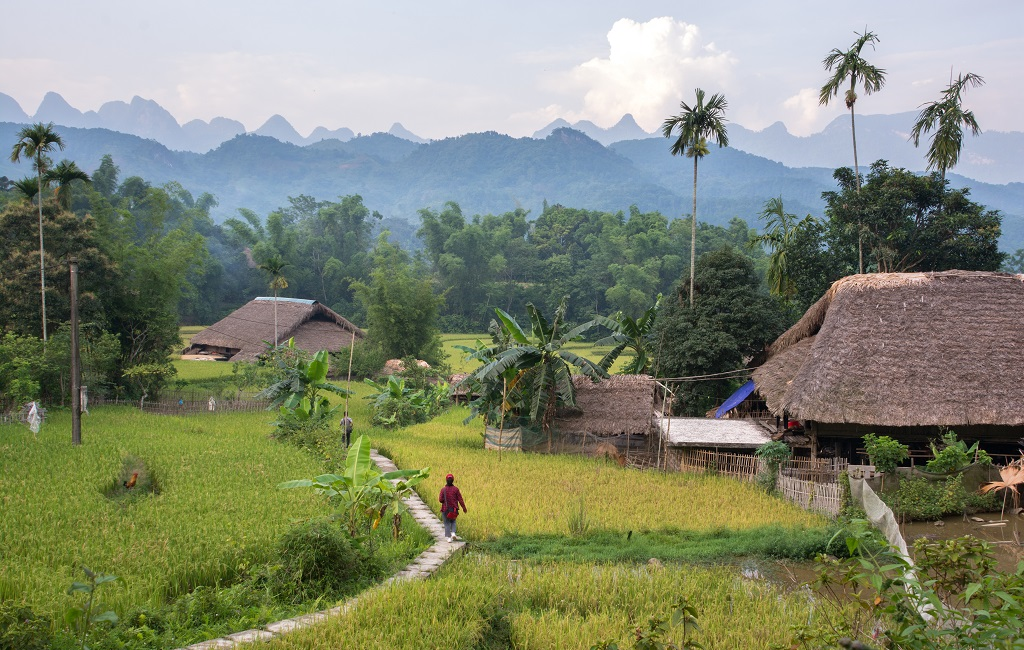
(243, 335)
(619, 406)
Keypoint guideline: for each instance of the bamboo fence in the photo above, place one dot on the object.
(809, 495)
(811, 485)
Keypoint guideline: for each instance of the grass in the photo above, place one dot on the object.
(479, 601)
(531, 494)
(218, 512)
(772, 542)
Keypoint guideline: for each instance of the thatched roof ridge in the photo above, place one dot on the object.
(904, 349)
(616, 405)
(312, 325)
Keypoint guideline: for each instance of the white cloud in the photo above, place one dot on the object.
(650, 67)
(803, 113)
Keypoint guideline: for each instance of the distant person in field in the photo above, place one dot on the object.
(450, 499)
(346, 429)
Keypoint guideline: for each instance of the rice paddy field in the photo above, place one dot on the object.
(476, 601)
(217, 511)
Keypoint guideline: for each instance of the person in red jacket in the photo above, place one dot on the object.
(450, 499)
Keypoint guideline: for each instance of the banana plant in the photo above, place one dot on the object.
(631, 334)
(363, 493)
(301, 392)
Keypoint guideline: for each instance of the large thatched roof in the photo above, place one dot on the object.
(616, 405)
(241, 336)
(904, 349)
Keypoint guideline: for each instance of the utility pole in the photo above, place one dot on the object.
(76, 364)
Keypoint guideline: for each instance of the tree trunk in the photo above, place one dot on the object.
(42, 256)
(693, 232)
(275, 319)
(856, 178)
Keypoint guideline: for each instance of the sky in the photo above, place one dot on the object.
(448, 67)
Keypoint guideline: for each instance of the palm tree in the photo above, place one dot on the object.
(780, 226)
(542, 364)
(35, 142)
(274, 266)
(26, 187)
(947, 118)
(850, 65)
(696, 125)
(62, 176)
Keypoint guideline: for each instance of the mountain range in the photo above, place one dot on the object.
(397, 173)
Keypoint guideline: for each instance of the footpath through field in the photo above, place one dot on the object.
(423, 566)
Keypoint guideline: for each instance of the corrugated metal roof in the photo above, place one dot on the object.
(301, 301)
(705, 432)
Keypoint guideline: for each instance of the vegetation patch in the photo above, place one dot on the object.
(770, 542)
(133, 481)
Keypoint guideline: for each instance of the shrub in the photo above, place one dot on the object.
(318, 558)
(23, 629)
(773, 454)
(367, 361)
(885, 453)
(955, 455)
(918, 499)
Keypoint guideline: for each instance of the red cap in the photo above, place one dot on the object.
(449, 477)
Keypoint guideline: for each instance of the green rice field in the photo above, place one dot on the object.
(478, 601)
(218, 510)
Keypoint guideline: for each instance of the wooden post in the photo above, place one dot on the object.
(348, 381)
(76, 371)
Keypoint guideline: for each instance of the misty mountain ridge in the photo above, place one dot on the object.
(486, 173)
(993, 157)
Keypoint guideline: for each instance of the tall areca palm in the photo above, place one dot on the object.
(35, 142)
(696, 125)
(275, 267)
(947, 118)
(62, 176)
(542, 363)
(851, 66)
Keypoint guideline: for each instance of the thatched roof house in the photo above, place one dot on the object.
(618, 405)
(910, 351)
(243, 335)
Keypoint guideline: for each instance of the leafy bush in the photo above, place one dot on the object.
(885, 453)
(919, 499)
(875, 595)
(318, 558)
(397, 404)
(955, 455)
(367, 361)
(773, 454)
(23, 629)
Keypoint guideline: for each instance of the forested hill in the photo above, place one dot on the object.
(483, 172)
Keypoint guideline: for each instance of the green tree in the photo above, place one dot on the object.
(780, 229)
(542, 363)
(947, 118)
(696, 125)
(63, 175)
(851, 66)
(275, 267)
(909, 223)
(35, 142)
(401, 306)
(734, 321)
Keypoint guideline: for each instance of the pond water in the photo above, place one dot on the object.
(793, 575)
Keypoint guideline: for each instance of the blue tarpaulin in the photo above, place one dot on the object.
(734, 400)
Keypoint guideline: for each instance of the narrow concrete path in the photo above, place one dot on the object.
(423, 566)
